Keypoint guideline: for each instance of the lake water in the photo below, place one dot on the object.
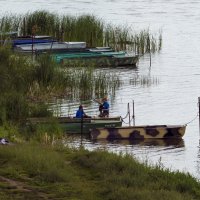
(172, 101)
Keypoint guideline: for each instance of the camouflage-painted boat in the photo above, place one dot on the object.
(76, 125)
(140, 132)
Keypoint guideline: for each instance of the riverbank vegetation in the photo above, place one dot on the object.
(47, 172)
(37, 164)
(27, 86)
(88, 28)
(24, 82)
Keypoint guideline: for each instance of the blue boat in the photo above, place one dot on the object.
(51, 46)
(24, 40)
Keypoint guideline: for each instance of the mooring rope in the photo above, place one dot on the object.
(126, 122)
(122, 119)
(192, 119)
(125, 116)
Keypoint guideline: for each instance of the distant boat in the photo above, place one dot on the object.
(76, 53)
(100, 60)
(76, 125)
(46, 45)
(140, 132)
(25, 40)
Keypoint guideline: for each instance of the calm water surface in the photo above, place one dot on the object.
(174, 99)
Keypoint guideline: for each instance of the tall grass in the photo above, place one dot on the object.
(88, 28)
(15, 79)
(17, 76)
(125, 178)
(40, 22)
(36, 162)
(84, 83)
(9, 23)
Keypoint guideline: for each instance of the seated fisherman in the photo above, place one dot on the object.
(80, 113)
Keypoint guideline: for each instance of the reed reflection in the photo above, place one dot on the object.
(198, 160)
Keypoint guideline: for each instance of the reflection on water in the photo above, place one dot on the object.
(144, 142)
(152, 147)
(198, 160)
(144, 81)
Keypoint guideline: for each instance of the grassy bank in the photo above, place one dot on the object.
(44, 172)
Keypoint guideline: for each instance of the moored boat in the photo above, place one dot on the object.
(31, 40)
(76, 125)
(115, 59)
(76, 53)
(140, 132)
(53, 46)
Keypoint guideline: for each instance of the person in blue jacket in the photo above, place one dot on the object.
(104, 108)
(80, 113)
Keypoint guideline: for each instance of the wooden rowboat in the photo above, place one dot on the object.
(140, 132)
(76, 125)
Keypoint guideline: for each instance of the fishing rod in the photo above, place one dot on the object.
(98, 101)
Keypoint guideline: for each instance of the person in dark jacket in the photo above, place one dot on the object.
(104, 108)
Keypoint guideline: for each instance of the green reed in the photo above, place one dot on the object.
(117, 37)
(88, 28)
(39, 23)
(85, 83)
(10, 23)
(22, 79)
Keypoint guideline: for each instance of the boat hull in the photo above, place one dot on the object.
(39, 46)
(101, 61)
(140, 132)
(75, 125)
(86, 127)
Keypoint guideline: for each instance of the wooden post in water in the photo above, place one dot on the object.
(133, 113)
(129, 116)
(32, 46)
(81, 130)
(24, 26)
(149, 47)
(150, 57)
(33, 37)
(199, 112)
